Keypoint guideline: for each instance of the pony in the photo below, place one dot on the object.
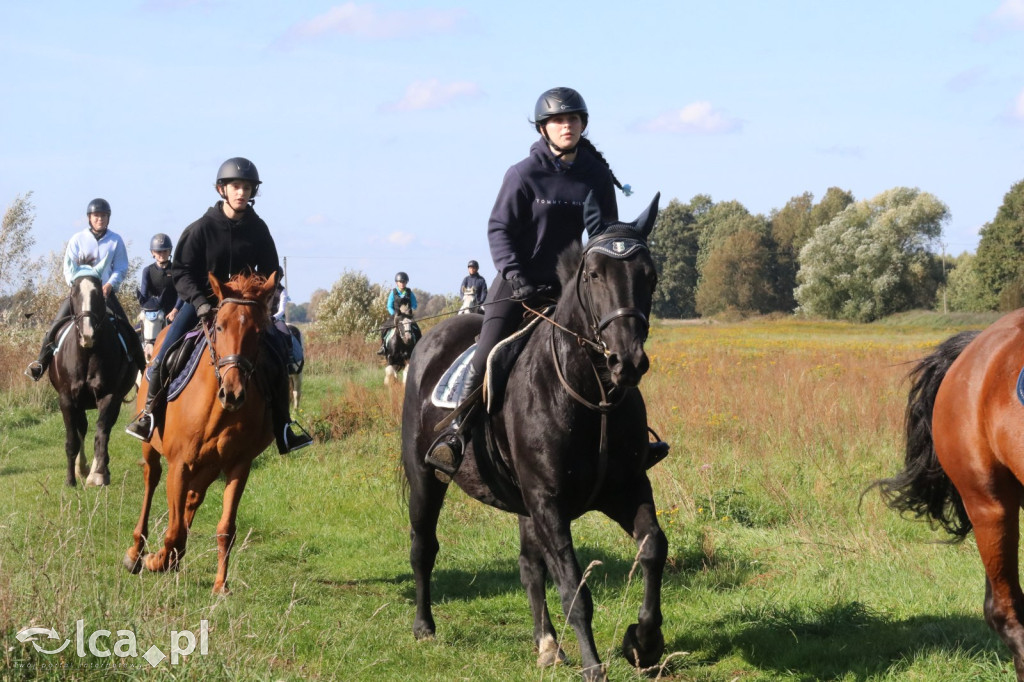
(964, 461)
(569, 436)
(469, 304)
(91, 369)
(152, 321)
(218, 424)
(399, 345)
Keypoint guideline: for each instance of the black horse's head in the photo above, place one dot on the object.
(612, 278)
(87, 304)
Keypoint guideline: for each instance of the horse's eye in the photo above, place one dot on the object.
(592, 274)
(218, 327)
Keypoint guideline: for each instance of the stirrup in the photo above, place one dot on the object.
(35, 370)
(141, 427)
(445, 455)
(295, 441)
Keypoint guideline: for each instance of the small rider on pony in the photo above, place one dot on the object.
(475, 283)
(400, 295)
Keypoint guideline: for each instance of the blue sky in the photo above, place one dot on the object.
(382, 129)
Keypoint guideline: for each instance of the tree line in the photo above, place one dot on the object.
(837, 258)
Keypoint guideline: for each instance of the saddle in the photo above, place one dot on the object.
(499, 365)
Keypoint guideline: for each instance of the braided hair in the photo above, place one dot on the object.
(588, 145)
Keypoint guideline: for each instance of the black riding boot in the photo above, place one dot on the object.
(286, 437)
(445, 454)
(37, 368)
(142, 426)
(657, 450)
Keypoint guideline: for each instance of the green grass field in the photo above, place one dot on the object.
(778, 570)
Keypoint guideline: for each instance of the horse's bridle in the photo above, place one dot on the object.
(242, 364)
(619, 247)
(97, 318)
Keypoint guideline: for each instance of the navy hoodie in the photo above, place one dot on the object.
(539, 211)
(225, 247)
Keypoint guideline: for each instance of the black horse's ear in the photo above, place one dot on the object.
(645, 222)
(591, 214)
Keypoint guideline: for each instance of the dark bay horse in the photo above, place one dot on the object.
(90, 370)
(219, 423)
(399, 346)
(964, 463)
(570, 434)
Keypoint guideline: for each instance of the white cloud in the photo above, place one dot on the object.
(433, 94)
(698, 118)
(366, 21)
(400, 238)
(1010, 12)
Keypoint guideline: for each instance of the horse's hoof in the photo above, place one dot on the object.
(423, 631)
(595, 673)
(549, 653)
(642, 656)
(133, 565)
(222, 590)
(97, 480)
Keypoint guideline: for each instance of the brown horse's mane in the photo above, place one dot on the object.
(246, 285)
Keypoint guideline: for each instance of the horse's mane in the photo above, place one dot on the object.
(246, 285)
(568, 262)
(86, 259)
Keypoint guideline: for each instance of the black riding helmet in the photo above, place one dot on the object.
(238, 168)
(559, 101)
(402, 277)
(160, 242)
(473, 264)
(98, 206)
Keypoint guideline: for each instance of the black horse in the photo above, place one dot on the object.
(91, 370)
(398, 347)
(562, 446)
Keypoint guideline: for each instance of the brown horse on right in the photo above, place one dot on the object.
(965, 459)
(219, 423)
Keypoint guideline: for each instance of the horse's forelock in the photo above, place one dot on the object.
(246, 286)
(568, 262)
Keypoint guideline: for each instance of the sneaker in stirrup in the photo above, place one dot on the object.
(141, 427)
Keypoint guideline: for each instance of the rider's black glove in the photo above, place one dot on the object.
(522, 288)
(205, 311)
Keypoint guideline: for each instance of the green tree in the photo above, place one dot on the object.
(16, 265)
(736, 276)
(872, 259)
(352, 306)
(791, 227)
(673, 245)
(1000, 257)
(964, 290)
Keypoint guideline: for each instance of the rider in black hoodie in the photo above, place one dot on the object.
(228, 239)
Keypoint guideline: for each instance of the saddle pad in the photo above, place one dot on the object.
(447, 391)
(180, 381)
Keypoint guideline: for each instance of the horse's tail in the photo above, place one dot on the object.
(923, 488)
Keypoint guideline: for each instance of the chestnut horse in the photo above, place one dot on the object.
(219, 423)
(964, 462)
(570, 437)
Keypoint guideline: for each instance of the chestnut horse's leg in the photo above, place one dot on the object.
(151, 477)
(237, 478)
(533, 573)
(551, 527)
(197, 487)
(634, 510)
(176, 537)
(994, 510)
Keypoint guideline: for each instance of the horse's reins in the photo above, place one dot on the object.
(597, 325)
(244, 365)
